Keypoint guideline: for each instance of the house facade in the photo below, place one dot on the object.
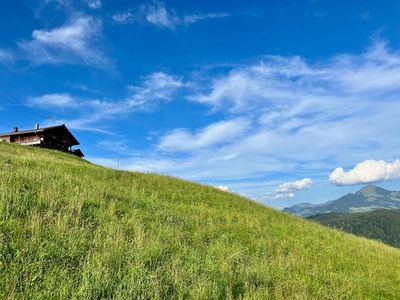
(54, 137)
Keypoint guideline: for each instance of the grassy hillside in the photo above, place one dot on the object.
(72, 229)
(381, 224)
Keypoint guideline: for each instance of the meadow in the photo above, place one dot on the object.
(71, 229)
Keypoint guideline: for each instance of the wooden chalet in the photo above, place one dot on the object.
(54, 137)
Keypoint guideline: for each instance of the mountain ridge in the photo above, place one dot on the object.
(368, 198)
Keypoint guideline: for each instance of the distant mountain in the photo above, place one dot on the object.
(381, 224)
(368, 198)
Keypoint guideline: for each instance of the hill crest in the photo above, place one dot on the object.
(71, 229)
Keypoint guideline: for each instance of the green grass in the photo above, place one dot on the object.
(70, 229)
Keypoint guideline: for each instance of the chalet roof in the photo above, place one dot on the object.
(78, 152)
(44, 129)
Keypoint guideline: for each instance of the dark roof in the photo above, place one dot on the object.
(43, 129)
(77, 152)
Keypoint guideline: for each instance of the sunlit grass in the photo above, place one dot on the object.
(72, 229)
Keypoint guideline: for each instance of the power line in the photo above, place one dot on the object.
(14, 101)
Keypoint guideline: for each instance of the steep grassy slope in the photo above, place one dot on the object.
(381, 224)
(72, 229)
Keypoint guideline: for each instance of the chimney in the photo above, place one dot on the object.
(15, 129)
(37, 126)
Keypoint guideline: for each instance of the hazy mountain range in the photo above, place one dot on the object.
(368, 198)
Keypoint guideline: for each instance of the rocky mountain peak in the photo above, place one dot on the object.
(372, 191)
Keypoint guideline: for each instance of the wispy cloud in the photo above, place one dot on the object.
(155, 88)
(194, 18)
(6, 56)
(290, 81)
(126, 17)
(306, 118)
(158, 15)
(215, 134)
(76, 42)
(366, 172)
(93, 4)
(84, 88)
(53, 100)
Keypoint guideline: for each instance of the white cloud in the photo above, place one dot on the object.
(287, 189)
(223, 188)
(212, 135)
(73, 43)
(53, 100)
(366, 172)
(93, 4)
(294, 185)
(158, 15)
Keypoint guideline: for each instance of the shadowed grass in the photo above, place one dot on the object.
(70, 229)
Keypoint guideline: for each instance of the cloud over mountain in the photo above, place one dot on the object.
(366, 172)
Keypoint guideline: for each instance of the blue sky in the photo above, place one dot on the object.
(283, 101)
